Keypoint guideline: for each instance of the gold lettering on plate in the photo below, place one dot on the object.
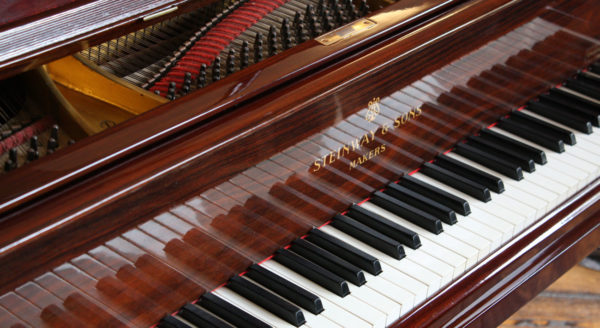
(373, 109)
(365, 140)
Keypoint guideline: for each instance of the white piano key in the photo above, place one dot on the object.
(391, 291)
(493, 235)
(318, 321)
(350, 303)
(446, 248)
(459, 232)
(418, 280)
(486, 216)
(370, 296)
(250, 307)
(544, 173)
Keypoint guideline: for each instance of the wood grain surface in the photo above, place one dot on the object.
(571, 301)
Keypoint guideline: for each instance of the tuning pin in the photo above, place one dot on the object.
(9, 165)
(201, 82)
(326, 21)
(33, 143)
(297, 19)
(54, 131)
(300, 33)
(286, 40)
(70, 142)
(339, 16)
(230, 65)
(12, 154)
(364, 8)
(244, 55)
(187, 79)
(320, 8)
(334, 4)
(157, 92)
(216, 73)
(171, 91)
(352, 13)
(272, 41)
(310, 12)
(311, 22)
(185, 89)
(5, 134)
(52, 145)
(258, 48)
(32, 154)
(187, 82)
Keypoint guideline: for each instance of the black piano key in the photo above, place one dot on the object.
(490, 160)
(313, 272)
(286, 289)
(230, 312)
(524, 161)
(544, 127)
(442, 212)
(269, 301)
(345, 251)
(567, 119)
(384, 226)
(201, 318)
(523, 131)
(582, 87)
(329, 261)
(504, 162)
(563, 104)
(590, 79)
(456, 203)
(516, 147)
(492, 182)
(369, 236)
(170, 321)
(408, 212)
(559, 116)
(456, 181)
(595, 67)
(575, 100)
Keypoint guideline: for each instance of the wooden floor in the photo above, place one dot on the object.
(572, 301)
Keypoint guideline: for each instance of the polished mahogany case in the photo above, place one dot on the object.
(176, 201)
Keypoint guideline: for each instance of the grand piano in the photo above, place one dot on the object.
(330, 164)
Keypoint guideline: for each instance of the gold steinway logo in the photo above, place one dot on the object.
(373, 109)
(364, 142)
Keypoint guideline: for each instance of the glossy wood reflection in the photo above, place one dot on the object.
(161, 226)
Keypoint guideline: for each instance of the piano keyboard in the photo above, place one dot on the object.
(379, 259)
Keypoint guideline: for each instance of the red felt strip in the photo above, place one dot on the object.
(22, 136)
(205, 50)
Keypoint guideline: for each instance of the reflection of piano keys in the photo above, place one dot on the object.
(226, 193)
